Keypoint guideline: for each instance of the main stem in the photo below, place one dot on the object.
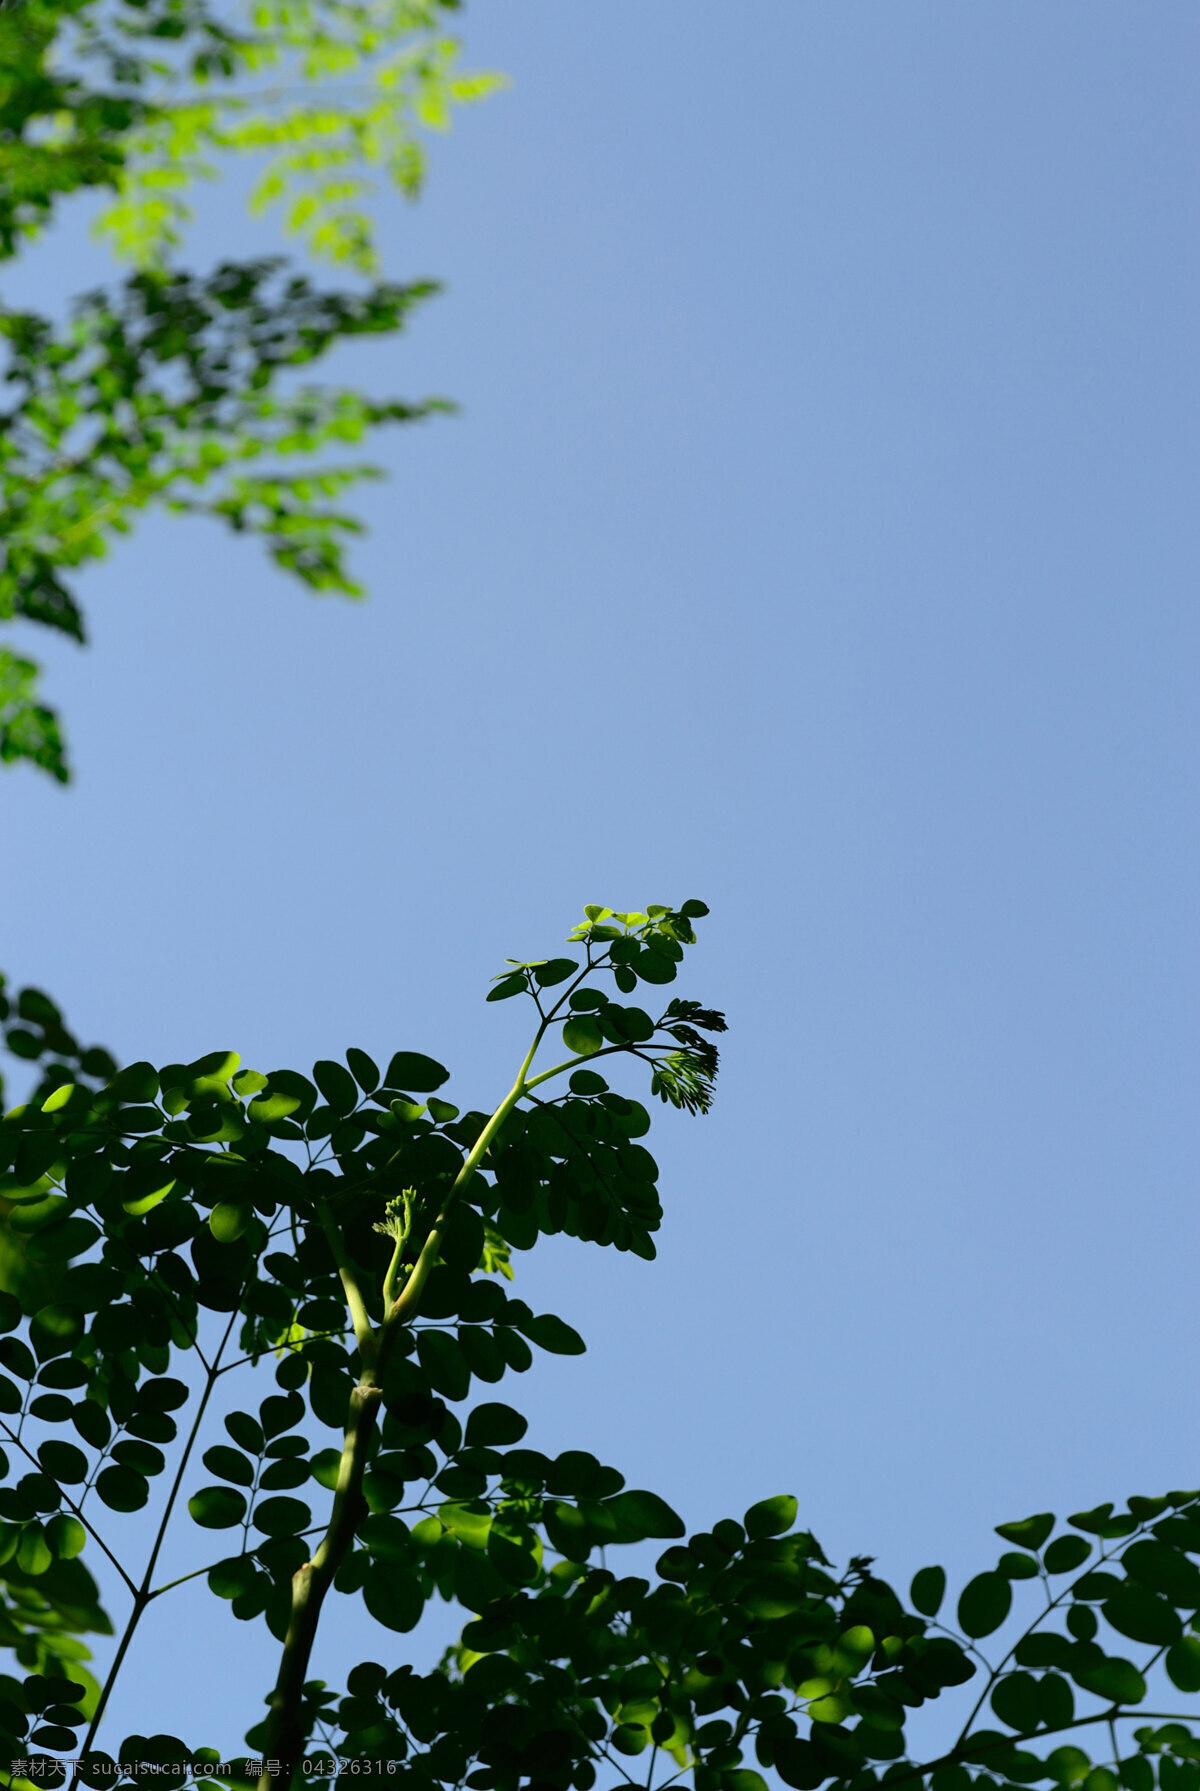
(285, 1726)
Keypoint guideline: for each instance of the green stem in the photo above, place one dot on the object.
(285, 1726)
(393, 1272)
(285, 1737)
(404, 1307)
(76, 1508)
(363, 1330)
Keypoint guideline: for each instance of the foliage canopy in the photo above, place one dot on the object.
(325, 1261)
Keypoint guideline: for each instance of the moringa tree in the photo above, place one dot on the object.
(322, 1264)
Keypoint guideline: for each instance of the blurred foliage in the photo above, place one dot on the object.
(175, 392)
(179, 390)
(145, 98)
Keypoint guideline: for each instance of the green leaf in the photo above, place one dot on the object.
(324, 1468)
(366, 1071)
(587, 1082)
(1065, 1554)
(508, 986)
(61, 1241)
(162, 1395)
(1068, 1765)
(92, 1423)
(289, 1096)
(553, 971)
(1103, 1522)
(18, 1358)
(63, 1462)
(552, 1335)
(1115, 1679)
(55, 1329)
(1164, 1569)
(282, 1516)
(444, 1364)
(229, 1219)
(1016, 1702)
(217, 1507)
(392, 1595)
(66, 1536)
(928, 1590)
(494, 1426)
(229, 1464)
(248, 1082)
(1017, 1567)
(246, 1432)
(387, 1538)
(653, 967)
(277, 1412)
(137, 1083)
(512, 1347)
(643, 1514)
(799, 1765)
(155, 1427)
(34, 1554)
(1056, 1701)
(231, 1578)
(514, 1550)
(985, 1603)
(771, 1517)
(1030, 1532)
(143, 1458)
(337, 1085)
(283, 1475)
(582, 1035)
(1143, 1616)
(122, 1489)
(415, 1074)
(1183, 1664)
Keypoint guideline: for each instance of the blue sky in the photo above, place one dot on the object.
(818, 538)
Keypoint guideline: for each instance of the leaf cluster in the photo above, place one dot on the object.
(148, 97)
(179, 392)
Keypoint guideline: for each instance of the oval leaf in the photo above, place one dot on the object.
(495, 1426)
(642, 1514)
(550, 1333)
(771, 1517)
(415, 1074)
(229, 1464)
(282, 1517)
(216, 1507)
(122, 1490)
(984, 1605)
(928, 1590)
(582, 1035)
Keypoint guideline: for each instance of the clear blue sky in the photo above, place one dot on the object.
(818, 538)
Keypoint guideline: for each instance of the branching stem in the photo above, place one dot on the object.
(284, 1730)
(142, 1595)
